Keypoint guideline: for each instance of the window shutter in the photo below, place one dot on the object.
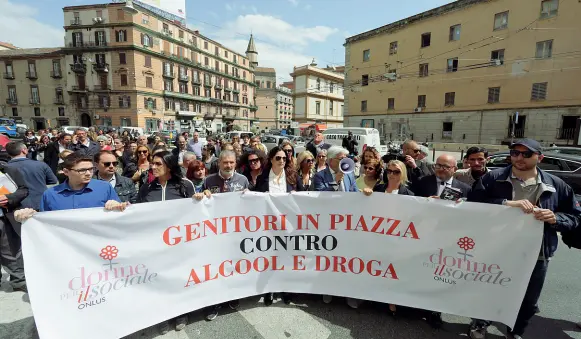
(96, 37)
(124, 35)
(142, 38)
(145, 102)
(117, 36)
(120, 101)
(128, 101)
(154, 103)
(150, 41)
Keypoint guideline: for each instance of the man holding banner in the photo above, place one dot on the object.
(523, 185)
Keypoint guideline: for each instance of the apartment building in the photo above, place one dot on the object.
(285, 106)
(318, 95)
(473, 71)
(265, 79)
(144, 70)
(33, 87)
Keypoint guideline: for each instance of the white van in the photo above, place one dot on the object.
(365, 137)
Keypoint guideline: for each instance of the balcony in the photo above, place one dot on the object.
(101, 67)
(101, 88)
(227, 89)
(76, 22)
(169, 75)
(34, 101)
(236, 90)
(56, 74)
(79, 68)
(218, 86)
(518, 133)
(215, 101)
(12, 101)
(31, 75)
(9, 75)
(88, 44)
(196, 81)
(253, 107)
(447, 135)
(184, 77)
(59, 100)
(79, 89)
(566, 133)
(207, 84)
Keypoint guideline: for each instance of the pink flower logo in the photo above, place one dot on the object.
(109, 253)
(466, 244)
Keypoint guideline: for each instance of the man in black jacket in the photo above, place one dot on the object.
(10, 243)
(84, 145)
(53, 149)
(317, 144)
(434, 185)
(106, 170)
(523, 185)
(416, 168)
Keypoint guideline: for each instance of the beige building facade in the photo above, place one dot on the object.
(473, 71)
(144, 70)
(317, 96)
(33, 88)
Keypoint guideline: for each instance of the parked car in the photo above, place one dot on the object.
(565, 150)
(564, 166)
(270, 141)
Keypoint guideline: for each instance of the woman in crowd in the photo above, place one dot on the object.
(321, 160)
(369, 154)
(168, 184)
(238, 150)
(372, 171)
(102, 140)
(235, 140)
(289, 149)
(125, 134)
(139, 165)
(41, 147)
(253, 162)
(278, 176)
(197, 174)
(209, 159)
(397, 181)
(60, 174)
(30, 141)
(305, 171)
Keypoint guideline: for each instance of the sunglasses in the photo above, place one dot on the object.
(440, 166)
(417, 151)
(279, 158)
(109, 163)
(253, 161)
(142, 152)
(394, 172)
(525, 154)
(288, 150)
(370, 168)
(309, 161)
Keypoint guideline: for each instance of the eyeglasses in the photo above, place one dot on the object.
(253, 161)
(525, 154)
(142, 152)
(417, 150)
(109, 163)
(279, 158)
(440, 166)
(369, 168)
(394, 172)
(83, 170)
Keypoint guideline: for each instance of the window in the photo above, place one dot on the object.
(34, 96)
(122, 58)
(205, 45)
(573, 166)
(423, 70)
(391, 103)
(426, 39)
(181, 34)
(123, 79)
(183, 87)
(549, 8)
(121, 36)
(145, 19)
(331, 107)
(544, 49)
(56, 67)
(364, 106)
(551, 164)
(493, 95)
(268, 84)
(12, 94)
(61, 111)
(14, 111)
(422, 100)
(452, 65)
(149, 82)
(318, 108)
(146, 40)
(455, 32)
(366, 55)
(539, 91)
(197, 90)
(31, 69)
(226, 69)
(124, 101)
(501, 20)
(168, 85)
(318, 84)
(393, 48)
(449, 98)
(331, 88)
(364, 80)
(447, 129)
(36, 111)
(100, 38)
(497, 57)
(206, 61)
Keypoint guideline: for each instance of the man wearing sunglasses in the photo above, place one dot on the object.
(106, 170)
(416, 168)
(543, 196)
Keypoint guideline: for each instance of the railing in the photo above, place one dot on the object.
(207, 84)
(184, 77)
(76, 21)
(102, 87)
(196, 81)
(518, 132)
(101, 67)
(566, 133)
(9, 75)
(34, 101)
(446, 134)
(56, 74)
(88, 44)
(59, 100)
(218, 86)
(79, 88)
(31, 75)
(168, 74)
(79, 68)
(12, 101)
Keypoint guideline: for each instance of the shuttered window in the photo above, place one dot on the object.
(539, 91)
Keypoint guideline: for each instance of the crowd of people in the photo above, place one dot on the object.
(90, 169)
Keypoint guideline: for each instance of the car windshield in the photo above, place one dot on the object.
(6, 122)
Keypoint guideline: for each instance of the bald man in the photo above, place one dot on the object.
(416, 168)
(433, 185)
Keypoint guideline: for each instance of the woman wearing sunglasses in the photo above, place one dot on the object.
(321, 159)
(289, 149)
(371, 174)
(139, 165)
(305, 171)
(252, 163)
(278, 176)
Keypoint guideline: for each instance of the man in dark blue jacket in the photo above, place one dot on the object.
(523, 185)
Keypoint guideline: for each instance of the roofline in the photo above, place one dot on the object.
(57, 53)
(456, 5)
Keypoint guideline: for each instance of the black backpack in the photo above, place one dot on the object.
(572, 238)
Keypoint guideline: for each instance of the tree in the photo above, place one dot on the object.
(236, 128)
(254, 130)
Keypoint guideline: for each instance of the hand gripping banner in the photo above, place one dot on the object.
(96, 274)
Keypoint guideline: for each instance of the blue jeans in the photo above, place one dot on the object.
(528, 306)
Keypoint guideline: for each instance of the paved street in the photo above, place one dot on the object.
(310, 318)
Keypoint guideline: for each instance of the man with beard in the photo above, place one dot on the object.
(476, 158)
(547, 198)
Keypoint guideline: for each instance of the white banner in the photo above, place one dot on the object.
(95, 274)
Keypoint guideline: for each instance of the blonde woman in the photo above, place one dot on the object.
(305, 171)
(321, 162)
(371, 174)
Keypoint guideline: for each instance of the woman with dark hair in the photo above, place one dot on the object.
(30, 141)
(197, 174)
(41, 147)
(209, 159)
(252, 163)
(372, 170)
(278, 176)
(168, 184)
(289, 149)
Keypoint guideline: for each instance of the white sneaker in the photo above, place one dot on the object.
(181, 322)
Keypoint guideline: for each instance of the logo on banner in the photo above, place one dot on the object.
(93, 284)
(463, 267)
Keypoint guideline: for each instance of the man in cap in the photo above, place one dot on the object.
(547, 198)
